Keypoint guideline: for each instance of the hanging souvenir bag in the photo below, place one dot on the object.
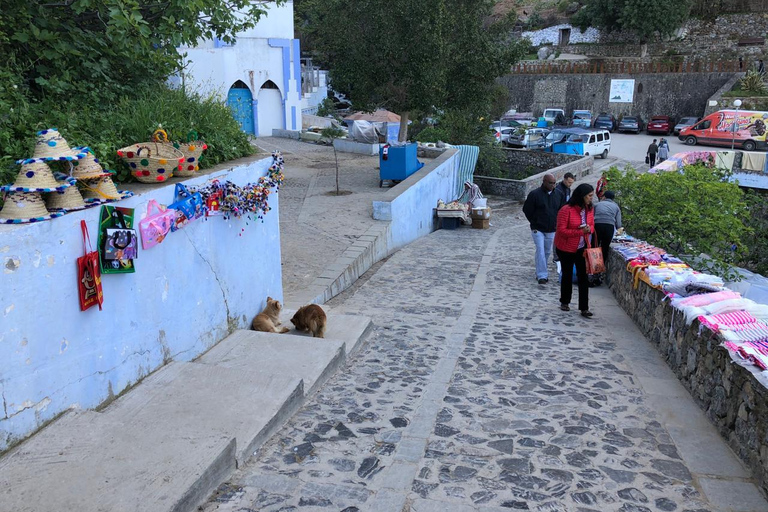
(88, 274)
(116, 220)
(156, 225)
(594, 256)
(188, 207)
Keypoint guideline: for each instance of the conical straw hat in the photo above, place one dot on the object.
(100, 188)
(21, 207)
(51, 146)
(37, 177)
(68, 199)
(88, 167)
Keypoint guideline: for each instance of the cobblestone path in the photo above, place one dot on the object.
(474, 392)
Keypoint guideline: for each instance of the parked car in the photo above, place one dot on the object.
(685, 123)
(718, 130)
(550, 114)
(531, 138)
(502, 134)
(579, 141)
(605, 121)
(631, 124)
(582, 118)
(661, 124)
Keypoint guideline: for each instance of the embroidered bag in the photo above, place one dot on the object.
(188, 207)
(88, 274)
(156, 225)
(594, 256)
(116, 217)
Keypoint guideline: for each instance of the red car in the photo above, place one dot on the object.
(661, 124)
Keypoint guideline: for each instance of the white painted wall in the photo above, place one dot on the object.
(186, 295)
(270, 112)
(551, 35)
(253, 60)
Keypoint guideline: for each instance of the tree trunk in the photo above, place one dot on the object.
(403, 127)
(337, 169)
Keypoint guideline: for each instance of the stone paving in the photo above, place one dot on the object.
(474, 392)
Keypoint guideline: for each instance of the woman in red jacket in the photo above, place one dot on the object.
(575, 222)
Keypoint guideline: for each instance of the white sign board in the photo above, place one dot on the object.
(622, 91)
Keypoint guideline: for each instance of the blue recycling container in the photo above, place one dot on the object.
(401, 162)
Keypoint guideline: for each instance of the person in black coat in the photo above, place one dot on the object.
(540, 208)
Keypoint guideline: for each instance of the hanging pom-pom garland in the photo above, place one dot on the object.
(230, 200)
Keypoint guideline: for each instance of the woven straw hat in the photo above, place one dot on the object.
(88, 167)
(103, 189)
(23, 207)
(51, 146)
(68, 199)
(37, 177)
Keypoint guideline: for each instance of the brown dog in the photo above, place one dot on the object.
(269, 319)
(310, 318)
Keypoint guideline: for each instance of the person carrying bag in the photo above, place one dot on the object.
(575, 225)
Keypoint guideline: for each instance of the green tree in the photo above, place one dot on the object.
(409, 55)
(61, 48)
(643, 18)
(693, 212)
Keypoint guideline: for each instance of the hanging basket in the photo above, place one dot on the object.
(152, 162)
(192, 149)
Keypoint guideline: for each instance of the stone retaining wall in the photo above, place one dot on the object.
(519, 189)
(734, 397)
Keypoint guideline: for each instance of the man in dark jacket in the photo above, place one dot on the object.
(653, 149)
(540, 209)
(564, 187)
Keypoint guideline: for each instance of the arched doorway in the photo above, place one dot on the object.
(270, 109)
(240, 101)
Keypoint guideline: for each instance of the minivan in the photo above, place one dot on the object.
(743, 129)
(578, 141)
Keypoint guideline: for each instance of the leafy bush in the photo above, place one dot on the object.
(432, 134)
(691, 213)
(106, 127)
(326, 108)
(753, 83)
(756, 257)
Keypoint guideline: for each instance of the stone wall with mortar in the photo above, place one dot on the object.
(186, 295)
(672, 94)
(734, 397)
(519, 189)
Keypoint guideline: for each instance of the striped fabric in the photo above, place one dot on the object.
(726, 320)
(467, 161)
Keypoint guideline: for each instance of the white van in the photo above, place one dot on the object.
(550, 114)
(598, 143)
(580, 141)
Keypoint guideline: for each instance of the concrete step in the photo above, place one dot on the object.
(352, 330)
(87, 463)
(169, 442)
(191, 400)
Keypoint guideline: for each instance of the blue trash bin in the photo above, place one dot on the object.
(401, 162)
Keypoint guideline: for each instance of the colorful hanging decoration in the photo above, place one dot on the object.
(230, 200)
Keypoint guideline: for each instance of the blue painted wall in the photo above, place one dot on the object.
(409, 206)
(186, 295)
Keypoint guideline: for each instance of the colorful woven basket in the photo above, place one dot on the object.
(152, 162)
(192, 150)
(51, 147)
(24, 207)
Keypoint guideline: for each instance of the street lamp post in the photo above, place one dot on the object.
(735, 125)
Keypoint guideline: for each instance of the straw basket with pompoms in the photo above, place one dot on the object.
(192, 151)
(152, 162)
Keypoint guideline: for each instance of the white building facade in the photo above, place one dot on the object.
(259, 76)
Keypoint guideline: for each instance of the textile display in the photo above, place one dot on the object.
(89, 287)
(725, 159)
(741, 323)
(753, 161)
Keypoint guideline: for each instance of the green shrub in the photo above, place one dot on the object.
(432, 134)
(107, 127)
(753, 83)
(688, 213)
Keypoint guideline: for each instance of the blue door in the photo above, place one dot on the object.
(240, 101)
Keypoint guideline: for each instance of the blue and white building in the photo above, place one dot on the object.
(259, 76)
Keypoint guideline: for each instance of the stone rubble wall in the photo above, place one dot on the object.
(734, 397)
(670, 94)
(555, 163)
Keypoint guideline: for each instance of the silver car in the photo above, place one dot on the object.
(531, 138)
(685, 122)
